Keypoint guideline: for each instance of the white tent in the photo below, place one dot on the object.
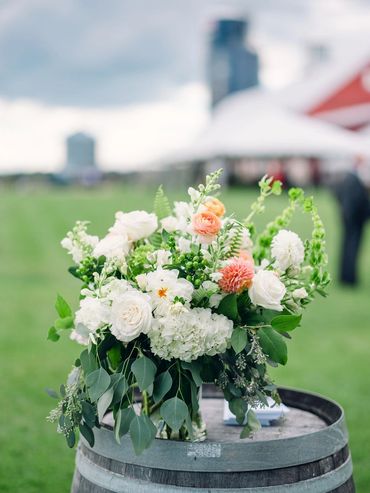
(253, 124)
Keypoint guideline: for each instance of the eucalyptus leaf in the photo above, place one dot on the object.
(97, 383)
(88, 413)
(273, 345)
(174, 412)
(194, 367)
(71, 439)
(88, 362)
(62, 307)
(238, 407)
(142, 432)
(162, 385)
(239, 339)
(87, 433)
(122, 422)
(144, 370)
(52, 393)
(251, 426)
(104, 402)
(120, 387)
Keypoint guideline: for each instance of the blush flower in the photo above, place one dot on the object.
(216, 206)
(206, 224)
(237, 275)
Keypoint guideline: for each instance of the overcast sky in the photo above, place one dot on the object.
(133, 72)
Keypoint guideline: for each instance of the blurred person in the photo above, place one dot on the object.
(354, 203)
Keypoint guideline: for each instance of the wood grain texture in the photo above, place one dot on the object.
(306, 452)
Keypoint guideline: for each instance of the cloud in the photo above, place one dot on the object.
(32, 134)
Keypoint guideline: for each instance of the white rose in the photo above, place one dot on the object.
(131, 315)
(299, 294)
(91, 316)
(267, 290)
(287, 249)
(136, 224)
(169, 223)
(113, 246)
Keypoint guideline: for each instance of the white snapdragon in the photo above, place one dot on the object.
(137, 225)
(190, 334)
(267, 290)
(131, 315)
(300, 294)
(184, 245)
(92, 315)
(164, 286)
(287, 249)
(78, 243)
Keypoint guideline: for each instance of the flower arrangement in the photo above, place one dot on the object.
(178, 297)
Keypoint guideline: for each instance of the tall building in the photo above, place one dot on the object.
(233, 65)
(81, 163)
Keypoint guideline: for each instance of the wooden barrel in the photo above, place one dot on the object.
(306, 452)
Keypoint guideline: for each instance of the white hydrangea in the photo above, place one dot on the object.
(92, 315)
(78, 243)
(287, 249)
(190, 334)
(164, 286)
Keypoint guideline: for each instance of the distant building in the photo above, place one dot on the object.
(233, 66)
(81, 162)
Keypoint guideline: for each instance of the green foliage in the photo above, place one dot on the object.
(251, 426)
(229, 307)
(162, 206)
(273, 345)
(162, 385)
(104, 402)
(87, 433)
(142, 432)
(238, 407)
(239, 339)
(195, 368)
(97, 383)
(144, 370)
(53, 334)
(286, 323)
(88, 362)
(174, 412)
(122, 422)
(62, 307)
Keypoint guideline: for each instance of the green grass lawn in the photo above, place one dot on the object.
(329, 353)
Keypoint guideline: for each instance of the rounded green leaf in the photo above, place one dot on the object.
(142, 432)
(174, 412)
(239, 339)
(162, 385)
(97, 383)
(144, 370)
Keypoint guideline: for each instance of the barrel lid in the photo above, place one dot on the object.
(307, 444)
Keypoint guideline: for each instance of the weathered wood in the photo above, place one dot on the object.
(305, 452)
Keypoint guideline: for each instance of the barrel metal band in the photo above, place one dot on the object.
(234, 457)
(116, 483)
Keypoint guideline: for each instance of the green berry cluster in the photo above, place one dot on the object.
(191, 266)
(88, 266)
